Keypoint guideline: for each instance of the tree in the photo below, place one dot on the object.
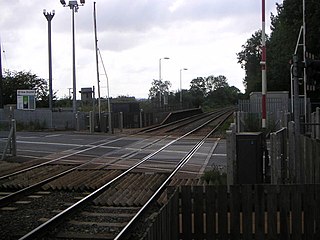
(285, 27)
(198, 91)
(249, 59)
(158, 86)
(14, 80)
(222, 94)
(214, 83)
(199, 86)
(212, 91)
(288, 22)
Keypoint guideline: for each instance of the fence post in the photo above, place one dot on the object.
(91, 122)
(273, 158)
(14, 139)
(140, 118)
(318, 122)
(313, 127)
(293, 171)
(77, 122)
(121, 121)
(231, 154)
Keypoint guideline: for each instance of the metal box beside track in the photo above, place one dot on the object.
(249, 159)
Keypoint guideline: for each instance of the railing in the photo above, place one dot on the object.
(289, 167)
(279, 156)
(8, 139)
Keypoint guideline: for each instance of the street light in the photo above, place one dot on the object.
(49, 17)
(160, 78)
(182, 69)
(74, 6)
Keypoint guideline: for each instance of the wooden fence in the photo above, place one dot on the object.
(243, 212)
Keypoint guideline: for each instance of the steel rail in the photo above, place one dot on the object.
(187, 120)
(54, 221)
(211, 117)
(59, 158)
(14, 196)
(181, 163)
(27, 190)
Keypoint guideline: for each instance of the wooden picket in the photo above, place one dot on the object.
(245, 212)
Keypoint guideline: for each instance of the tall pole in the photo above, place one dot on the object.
(1, 91)
(97, 59)
(49, 17)
(263, 68)
(304, 59)
(181, 88)
(296, 114)
(160, 79)
(181, 85)
(159, 82)
(74, 6)
(74, 99)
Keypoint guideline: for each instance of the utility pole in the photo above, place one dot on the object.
(49, 17)
(97, 61)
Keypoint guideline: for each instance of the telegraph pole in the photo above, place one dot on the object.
(97, 60)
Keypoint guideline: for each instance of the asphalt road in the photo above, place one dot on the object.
(31, 145)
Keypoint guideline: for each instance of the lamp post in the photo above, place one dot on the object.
(160, 79)
(49, 17)
(74, 6)
(182, 69)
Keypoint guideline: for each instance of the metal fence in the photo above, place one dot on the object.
(315, 124)
(279, 156)
(8, 138)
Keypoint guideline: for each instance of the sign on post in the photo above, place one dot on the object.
(26, 99)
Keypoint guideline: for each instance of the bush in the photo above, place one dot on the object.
(32, 126)
(215, 177)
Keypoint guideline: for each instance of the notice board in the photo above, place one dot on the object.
(26, 99)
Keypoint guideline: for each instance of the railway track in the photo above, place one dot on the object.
(89, 203)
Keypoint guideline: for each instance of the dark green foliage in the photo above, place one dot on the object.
(213, 92)
(32, 126)
(13, 81)
(250, 58)
(252, 122)
(214, 177)
(285, 27)
(206, 92)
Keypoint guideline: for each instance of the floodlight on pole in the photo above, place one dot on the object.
(182, 69)
(63, 2)
(74, 6)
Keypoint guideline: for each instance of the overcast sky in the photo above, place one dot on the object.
(201, 35)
